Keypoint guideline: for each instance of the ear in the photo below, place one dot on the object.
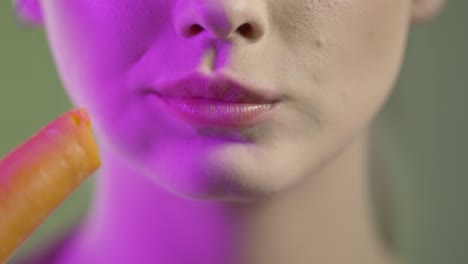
(424, 10)
(28, 11)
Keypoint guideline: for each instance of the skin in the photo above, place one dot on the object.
(292, 187)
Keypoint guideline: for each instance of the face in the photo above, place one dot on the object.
(329, 65)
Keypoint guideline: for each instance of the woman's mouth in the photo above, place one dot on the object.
(209, 112)
(215, 101)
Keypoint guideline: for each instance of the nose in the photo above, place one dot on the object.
(223, 19)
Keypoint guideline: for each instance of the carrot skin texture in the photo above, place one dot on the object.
(39, 174)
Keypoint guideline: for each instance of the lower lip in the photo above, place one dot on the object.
(218, 113)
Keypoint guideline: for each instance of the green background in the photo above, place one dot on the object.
(423, 129)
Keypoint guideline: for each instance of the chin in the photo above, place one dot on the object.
(222, 175)
(212, 185)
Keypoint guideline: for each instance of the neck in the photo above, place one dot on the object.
(325, 219)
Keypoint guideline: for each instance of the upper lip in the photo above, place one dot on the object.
(217, 87)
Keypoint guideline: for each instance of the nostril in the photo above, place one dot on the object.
(194, 30)
(246, 30)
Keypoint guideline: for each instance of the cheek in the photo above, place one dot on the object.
(340, 63)
(367, 54)
(353, 55)
(94, 55)
(95, 42)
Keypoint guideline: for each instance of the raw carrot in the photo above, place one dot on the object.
(38, 175)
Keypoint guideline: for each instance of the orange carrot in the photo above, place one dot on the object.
(38, 175)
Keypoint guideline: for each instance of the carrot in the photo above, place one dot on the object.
(38, 175)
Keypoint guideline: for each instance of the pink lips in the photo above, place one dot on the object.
(220, 113)
(217, 101)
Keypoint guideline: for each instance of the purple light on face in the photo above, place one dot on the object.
(106, 61)
(208, 20)
(28, 11)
